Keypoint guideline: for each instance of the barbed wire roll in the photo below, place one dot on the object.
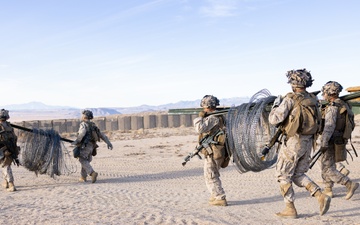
(249, 131)
(43, 153)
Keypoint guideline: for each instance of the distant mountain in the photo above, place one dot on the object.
(34, 106)
(40, 111)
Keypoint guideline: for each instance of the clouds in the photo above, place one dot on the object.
(219, 8)
(163, 51)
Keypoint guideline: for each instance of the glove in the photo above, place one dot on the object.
(109, 146)
(16, 162)
(277, 101)
(323, 149)
(202, 114)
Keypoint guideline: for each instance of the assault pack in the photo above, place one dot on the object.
(345, 124)
(305, 117)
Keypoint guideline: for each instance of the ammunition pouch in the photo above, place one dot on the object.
(225, 163)
(340, 149)
(218, 151)
(94, 152)
(340, 152)
(76, 152)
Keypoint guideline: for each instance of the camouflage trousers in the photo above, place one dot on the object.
(329, 173)
(339, 166)
(292, 164)
(6, 169)
(212, 177)
(85, 158)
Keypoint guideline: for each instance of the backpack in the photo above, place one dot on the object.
(345, 125)
(305, 117)
(349, 122)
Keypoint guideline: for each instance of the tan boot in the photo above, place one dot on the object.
(5, 184)
(345, 171)
(351, 188)
(212, 198)
(289, 212)
(220, 202)
(324, 202)
(328, 191)
(82, 179)
(93, 176)
(11, 187)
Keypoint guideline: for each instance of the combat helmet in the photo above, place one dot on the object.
(331, 88)
(299, 78)
(88, 114)
(209, 101)
(4, 114)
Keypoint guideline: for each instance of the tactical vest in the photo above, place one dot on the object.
(219, 149)
(344, 120)
(305, 117)
(92, 133)
(8, 138)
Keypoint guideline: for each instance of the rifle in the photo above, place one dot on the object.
(203, 143)
(276, 138)
(315, 157)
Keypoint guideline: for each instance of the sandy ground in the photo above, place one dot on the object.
(142, 181)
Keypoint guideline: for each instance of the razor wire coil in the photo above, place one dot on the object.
(249, 131)
(43, 153)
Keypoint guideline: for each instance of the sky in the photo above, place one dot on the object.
(118, 53)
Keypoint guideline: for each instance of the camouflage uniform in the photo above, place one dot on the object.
(294, 155)
(333, 132)
(87, 143)
(9, 150)
(211, 166)
(328, 167)
(215, 154)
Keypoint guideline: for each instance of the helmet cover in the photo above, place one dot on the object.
(88, 114)
(4, 114)
(332, 88)
(209, 101)
(299, 78)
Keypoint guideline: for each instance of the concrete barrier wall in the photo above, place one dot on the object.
(122, 123)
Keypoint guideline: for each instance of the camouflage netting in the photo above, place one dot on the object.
(43, 153)
(249, 131)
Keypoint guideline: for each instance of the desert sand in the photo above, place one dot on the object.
(142, 181)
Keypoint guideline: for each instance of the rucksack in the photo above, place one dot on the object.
(349, 122)
(345, 124)
(305, 117)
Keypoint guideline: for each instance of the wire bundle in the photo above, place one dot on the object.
(43, 152)
(249, 131)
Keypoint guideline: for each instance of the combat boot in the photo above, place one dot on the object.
(5, 184)
(289, 212)
(345, 171)
(82, 179)
(93, 176)
(11, 187)
(324, 201)
(220, 202)
(328, 191)
(351, 187)
(212, 198)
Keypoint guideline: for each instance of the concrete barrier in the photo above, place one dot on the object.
(122, 123)
(137, 122)
(149, 121)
